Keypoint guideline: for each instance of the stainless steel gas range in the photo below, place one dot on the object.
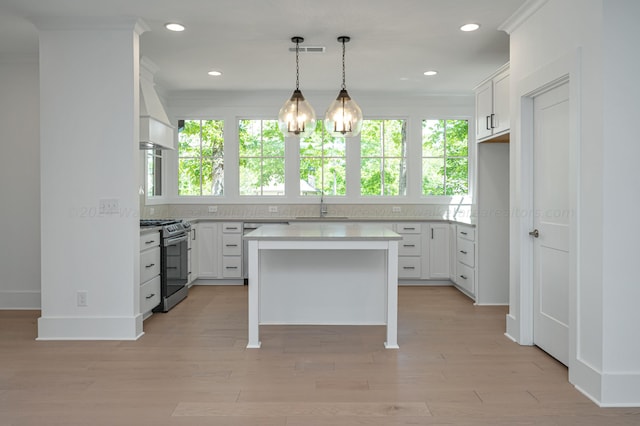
(174, 267)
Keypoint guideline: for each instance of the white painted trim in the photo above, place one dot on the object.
(90, 328)
(563, 70)
(521, 15)
(23, 300)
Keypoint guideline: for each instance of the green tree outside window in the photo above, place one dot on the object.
(261, 158)
(383, 150)
(322, 164)
(445, 157)
(201, 157)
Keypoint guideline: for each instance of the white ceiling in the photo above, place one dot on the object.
(392, 41)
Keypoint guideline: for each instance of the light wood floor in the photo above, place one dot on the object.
(454, 367)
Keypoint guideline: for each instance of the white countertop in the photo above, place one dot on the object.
(323, 232)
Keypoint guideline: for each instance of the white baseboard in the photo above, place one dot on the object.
(90, 328)
(23, 300)
(199, 281)
(425, 283)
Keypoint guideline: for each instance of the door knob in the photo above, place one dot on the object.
(534, 233)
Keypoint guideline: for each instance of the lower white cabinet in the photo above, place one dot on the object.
(437, 236)
(466, 259)
(409, 250)
(208, 250)
(149, 272)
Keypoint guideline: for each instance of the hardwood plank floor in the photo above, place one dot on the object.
(454, 367)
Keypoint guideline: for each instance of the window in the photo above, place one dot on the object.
(322, 164)
(445, 162)
(154, 172)
(200, 157)
(383, 145)
(261, 158)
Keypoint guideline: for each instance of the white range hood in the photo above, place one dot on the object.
(156, 131)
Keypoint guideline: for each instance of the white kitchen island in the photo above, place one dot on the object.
(323, 273)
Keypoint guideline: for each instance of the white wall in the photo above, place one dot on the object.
(19, 184)
(89, 108)
(595, 38)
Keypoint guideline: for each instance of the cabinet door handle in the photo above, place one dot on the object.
(193, 237)
(463, 232)
(150, 242)
(151, 265)
(150, 296)
(463, 252)
(488, 117)
(492, 121)
(463, 277)
(432, 233)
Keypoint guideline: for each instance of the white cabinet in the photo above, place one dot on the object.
(492, 106)
(208, 250)
(149, 272)
(409, 250)
(193, 254)
(437, 236)
(466, 259)
(232, 250)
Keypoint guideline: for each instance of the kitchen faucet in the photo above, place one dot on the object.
(323, 207)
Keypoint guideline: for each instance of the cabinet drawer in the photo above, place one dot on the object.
(232, 227)
(465, 277)
(231, 267)
(149, 264)
(409, 267)
(150, 295)
(410, 245)
(466, 252)
(232, 245)
(466, 233)
(408, 228)
(149, 240)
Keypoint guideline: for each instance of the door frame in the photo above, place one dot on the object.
(563, 70)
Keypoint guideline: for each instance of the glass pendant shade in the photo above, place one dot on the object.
(297, 117)
(344, 116)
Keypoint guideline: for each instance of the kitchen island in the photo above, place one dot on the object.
(323, 273)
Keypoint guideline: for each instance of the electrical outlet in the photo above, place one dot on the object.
(396, 209)
(109, 206)
(213, 209)
(82, 298)
(273, 209)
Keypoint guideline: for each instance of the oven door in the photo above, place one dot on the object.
(176, 268)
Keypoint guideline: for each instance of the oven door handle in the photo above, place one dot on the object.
(175, 240)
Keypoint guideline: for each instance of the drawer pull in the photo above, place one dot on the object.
(231, 267)
(463, 232)
(409, 267)
(463, 277)
(463, 252)
(408, 245)
(231, 245)
(229, 228)
(408, 228)
(151, 265)
(150, 296)
(150, 242)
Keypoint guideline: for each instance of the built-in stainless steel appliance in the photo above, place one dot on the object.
(174, 266)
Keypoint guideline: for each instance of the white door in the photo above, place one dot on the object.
(551, 221)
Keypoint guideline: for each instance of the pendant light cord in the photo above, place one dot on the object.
(344, 85)
(297, 67)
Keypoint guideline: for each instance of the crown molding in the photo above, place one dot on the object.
(521, 15)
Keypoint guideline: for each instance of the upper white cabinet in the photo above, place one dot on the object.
(492, 107)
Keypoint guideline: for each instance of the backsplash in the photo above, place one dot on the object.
(245, 212)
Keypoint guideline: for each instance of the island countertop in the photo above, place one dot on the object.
(323, 232)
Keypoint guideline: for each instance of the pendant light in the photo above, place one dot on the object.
(297, 117)
(344, 116)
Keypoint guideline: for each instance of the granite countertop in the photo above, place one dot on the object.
(323, 232)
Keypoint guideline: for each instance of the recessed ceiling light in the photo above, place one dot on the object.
(173, 26)
(469, 27)
(430, 72)
(215, 73)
